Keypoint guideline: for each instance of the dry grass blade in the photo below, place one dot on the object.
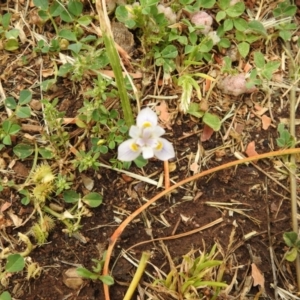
(228, 207)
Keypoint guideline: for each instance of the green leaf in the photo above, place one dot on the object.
(66, 16)
(25, 97)
(75, 7)
(5, 296)
(47, 84)
(15, 263)
(12, 34)
(85, 273)
(56, 9)
(206, 3)
(42, 4)
(225, 43)
(46, 153)
(23, 112)
(84, 20)
(106, 279)
(10, 128)
(10, 103)
(259, 60)
(240, 24)
(71, 196)
(243, 48)
(169, 52)
(228, 25)
(11, 45)
(220, 16)
(269, 69)
(43, 15)
(25, 200)
(75, 47)
(206, 47)
(65, 69)
(291, 254)
(68, 35)
(285, 35)
(92, 199)
(212, 121)
(290, 238)
(235, 10)
(194, 110)
(6, 140)
(6, 20)
(140, 162)
(224, 4)
(257, 27)
(23, 150)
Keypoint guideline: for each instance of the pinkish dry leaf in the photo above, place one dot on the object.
(194, 167)
(206, 134)
(5, 206)
(235, 85)
(266, 122)
(258, 277)
(163, 114)
(250, 151)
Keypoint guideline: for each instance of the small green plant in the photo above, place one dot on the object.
(284, 12)
(285, 139)
(14, 263)
(95, 274)
(292, 240)
(57, 136)
(86, 160)
(20, 106)
(7, 130)
(9, 36)
(10, 127)
(263, 71)
(193, 277)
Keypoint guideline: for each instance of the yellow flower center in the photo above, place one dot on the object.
(159, 146)
(147, 124)
(134, 147)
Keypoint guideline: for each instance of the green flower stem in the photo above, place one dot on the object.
(137, 276)
(114, 59)
(59, 217)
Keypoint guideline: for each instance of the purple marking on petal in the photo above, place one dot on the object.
(128, 150)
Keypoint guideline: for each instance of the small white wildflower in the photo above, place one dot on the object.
(146, 139)
(168, 12)
(214, 37)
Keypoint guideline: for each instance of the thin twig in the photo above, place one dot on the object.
(271, 249)
(167, 174)
(293, 183)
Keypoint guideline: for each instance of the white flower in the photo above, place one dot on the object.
(146, 139)
(214, 37)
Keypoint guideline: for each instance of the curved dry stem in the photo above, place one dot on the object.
(120, 229)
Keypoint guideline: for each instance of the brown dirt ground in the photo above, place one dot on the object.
(267, 205)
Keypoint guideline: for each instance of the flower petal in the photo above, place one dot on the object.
(158, 131)
(146, 117)
(135, 131)
(164, 150)
(147, 152)
(128, 150)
